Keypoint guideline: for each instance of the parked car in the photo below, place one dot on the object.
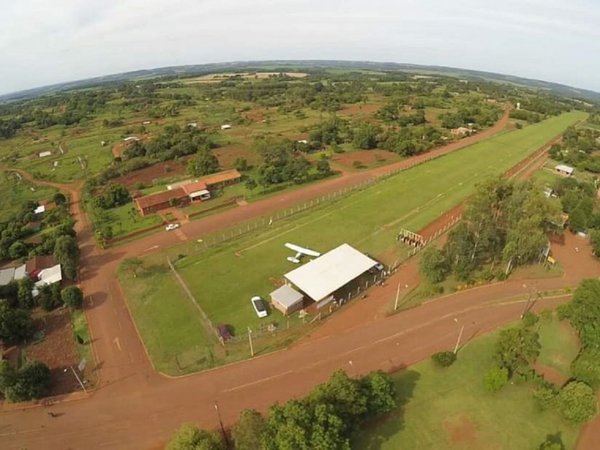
(259, 306)
(224, 331)
(172, 226)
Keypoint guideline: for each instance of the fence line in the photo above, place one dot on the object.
(205, 320)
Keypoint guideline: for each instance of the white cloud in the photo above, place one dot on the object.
(45, 42)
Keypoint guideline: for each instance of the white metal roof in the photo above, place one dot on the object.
(331, 271)
(50, 275)
(286, 296)
(20, 272)
(564, 168)
(6, 276)
(39, 209)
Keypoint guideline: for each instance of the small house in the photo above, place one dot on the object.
(287, 299)
(225, 127)
(564, 170)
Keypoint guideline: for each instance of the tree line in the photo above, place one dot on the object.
(326, 419)
(504, 225)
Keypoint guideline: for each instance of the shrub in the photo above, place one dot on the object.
(190, 437)
(495, 379)
(586, 367)
(577, 402)
(544, 397)
(444, 359)
(72, 297)
(529, 319)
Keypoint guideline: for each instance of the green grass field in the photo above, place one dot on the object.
(560, 345)
(450, 408)
(124, 220)
(15, 192)
(223, 282)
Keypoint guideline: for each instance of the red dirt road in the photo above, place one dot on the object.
(137, 408)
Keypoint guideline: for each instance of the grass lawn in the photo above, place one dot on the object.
(125, 220)
(81, 334)
(560, 345)
(167, 320)
(15, 192)
(450, 409)
(225, 277)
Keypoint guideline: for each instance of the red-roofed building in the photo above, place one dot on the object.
(180, 194)
(161, 200)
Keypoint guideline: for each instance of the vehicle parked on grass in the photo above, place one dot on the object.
(259, 306)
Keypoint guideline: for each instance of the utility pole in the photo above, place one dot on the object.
(250, 342)
(221, 425)
(459, 336)
(77, 378)
(398, 296)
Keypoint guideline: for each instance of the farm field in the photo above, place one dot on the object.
(451, 409)
(254, 265)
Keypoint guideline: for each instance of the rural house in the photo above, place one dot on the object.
(185, 192)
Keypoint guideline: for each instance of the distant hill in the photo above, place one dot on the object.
(276, 65)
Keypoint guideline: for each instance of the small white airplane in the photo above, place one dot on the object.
(301, 251)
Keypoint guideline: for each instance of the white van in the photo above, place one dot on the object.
(259, 306)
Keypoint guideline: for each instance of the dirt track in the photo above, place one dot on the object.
(137, 408)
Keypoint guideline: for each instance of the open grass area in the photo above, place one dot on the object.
(16, 191)
(124, 220)
(223, 278)
(167, 321)
(451, 409)
(83, 342)
(560, 345)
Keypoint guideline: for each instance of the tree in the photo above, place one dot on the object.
(495, 379)
(49, 297)
(380, 392)
(24, 295)
(16, 325)
(365, 136)
(17, 250)
(584, 312)
(30, 382)
(345, 393)
(516, 348)
(59, 199)
(241, 164)
(586, 367)
(72, 296)
(444, 359)
(204, 163)
(577, 402)
(251, 184)
(434, 265)
(66, 253)
(190, 437)
(248, 430)
(323, 167)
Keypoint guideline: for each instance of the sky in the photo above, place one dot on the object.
(44, 42)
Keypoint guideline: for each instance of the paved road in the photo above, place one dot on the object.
(137, 408)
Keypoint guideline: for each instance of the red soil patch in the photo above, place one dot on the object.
(550, 374)
(461, 431)
(148, 175)
(366, 157)
(358, 109)
(57, 350)
(229, 153)
(120, 146)
(256, 115)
